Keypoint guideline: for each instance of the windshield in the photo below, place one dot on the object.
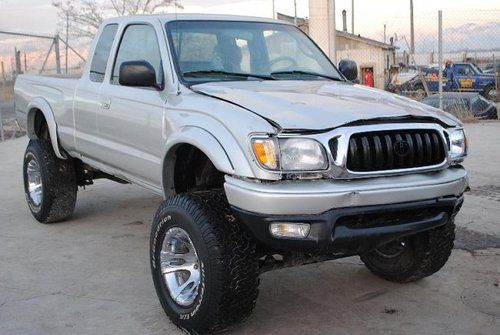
(476, 68)
(229, 51)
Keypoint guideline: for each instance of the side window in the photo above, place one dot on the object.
(139, 42)
(464, 70)
(101, 53)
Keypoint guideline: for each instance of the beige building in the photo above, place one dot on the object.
(367, 53)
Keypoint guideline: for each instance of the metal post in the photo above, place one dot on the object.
(67, 41)
(352, 16)
(3, 73)
(58, 55)
(295, 22)
(496, 72)
(440, 51)
(332, 32)
(1, 126)
(18, 61)
(274, 10)
(412, 30)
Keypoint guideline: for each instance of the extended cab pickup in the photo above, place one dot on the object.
(267, 156)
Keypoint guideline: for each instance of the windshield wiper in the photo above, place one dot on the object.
(226, 73)
(292, 72)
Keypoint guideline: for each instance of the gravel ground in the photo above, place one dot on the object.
(90, 275)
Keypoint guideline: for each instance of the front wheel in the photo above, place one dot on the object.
(413, 257)
(490, 93)
(204, 266)
(49, 183)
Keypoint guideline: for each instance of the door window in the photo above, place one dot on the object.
(101, 53)
(464, 70)
(139, 43)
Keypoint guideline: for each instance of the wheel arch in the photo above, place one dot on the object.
(197, 138)
(38, 109)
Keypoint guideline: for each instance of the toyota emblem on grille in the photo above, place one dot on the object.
(401, 148)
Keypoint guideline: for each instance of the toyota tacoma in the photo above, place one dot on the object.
(266, 153)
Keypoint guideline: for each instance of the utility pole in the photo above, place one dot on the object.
(332, 31)
(67, 39)
(295, 15)
(385, 29)
(274, 10)
(412, 30)
(25, 64)
(352, 16)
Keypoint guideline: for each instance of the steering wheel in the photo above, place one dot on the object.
(292, 61)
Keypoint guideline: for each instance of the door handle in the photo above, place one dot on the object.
(105, 104)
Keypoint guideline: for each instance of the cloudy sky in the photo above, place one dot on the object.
(469, 23)
(41, 16)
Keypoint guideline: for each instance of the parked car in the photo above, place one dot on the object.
(463, 104)
(267, 156)
(457, 77)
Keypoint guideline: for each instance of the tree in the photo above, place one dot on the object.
(85, 16)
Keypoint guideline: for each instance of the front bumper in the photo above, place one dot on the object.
(348, 217)
(318, 196)
(354, 230)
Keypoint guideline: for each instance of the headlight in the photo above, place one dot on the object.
(458, 145)
(290, 154)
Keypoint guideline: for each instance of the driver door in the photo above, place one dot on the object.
(130, 119)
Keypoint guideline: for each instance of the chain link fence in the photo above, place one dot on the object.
(29, 53)
(469, 64)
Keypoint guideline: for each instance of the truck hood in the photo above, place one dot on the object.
(319, 105)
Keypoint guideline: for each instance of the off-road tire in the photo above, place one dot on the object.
(227, 257)
(59, 187)
(424, 254)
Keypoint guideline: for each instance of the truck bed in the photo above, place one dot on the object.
(57, 91)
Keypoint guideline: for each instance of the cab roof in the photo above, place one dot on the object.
(164, 18)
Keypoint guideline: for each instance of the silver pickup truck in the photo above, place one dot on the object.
(266, 153)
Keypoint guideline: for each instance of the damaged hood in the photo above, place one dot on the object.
(318, 105)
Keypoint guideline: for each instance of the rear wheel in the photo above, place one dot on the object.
(49, 183)
(204, 266)
(413, 257)
(420, 92)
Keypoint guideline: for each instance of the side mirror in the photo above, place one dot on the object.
(349, 69)
(138, 74)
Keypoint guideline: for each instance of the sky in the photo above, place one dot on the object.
(475, 22)
(370, 15)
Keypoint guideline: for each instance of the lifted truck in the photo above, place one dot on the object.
(267, 156)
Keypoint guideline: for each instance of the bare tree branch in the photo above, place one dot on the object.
(85, 16)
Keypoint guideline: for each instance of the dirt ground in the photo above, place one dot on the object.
(90, 274)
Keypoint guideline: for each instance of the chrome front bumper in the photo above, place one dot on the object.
(318, 196)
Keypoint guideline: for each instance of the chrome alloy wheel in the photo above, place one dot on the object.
(180, 266)
(35, 186)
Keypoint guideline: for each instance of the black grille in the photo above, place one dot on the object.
(395, 149)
